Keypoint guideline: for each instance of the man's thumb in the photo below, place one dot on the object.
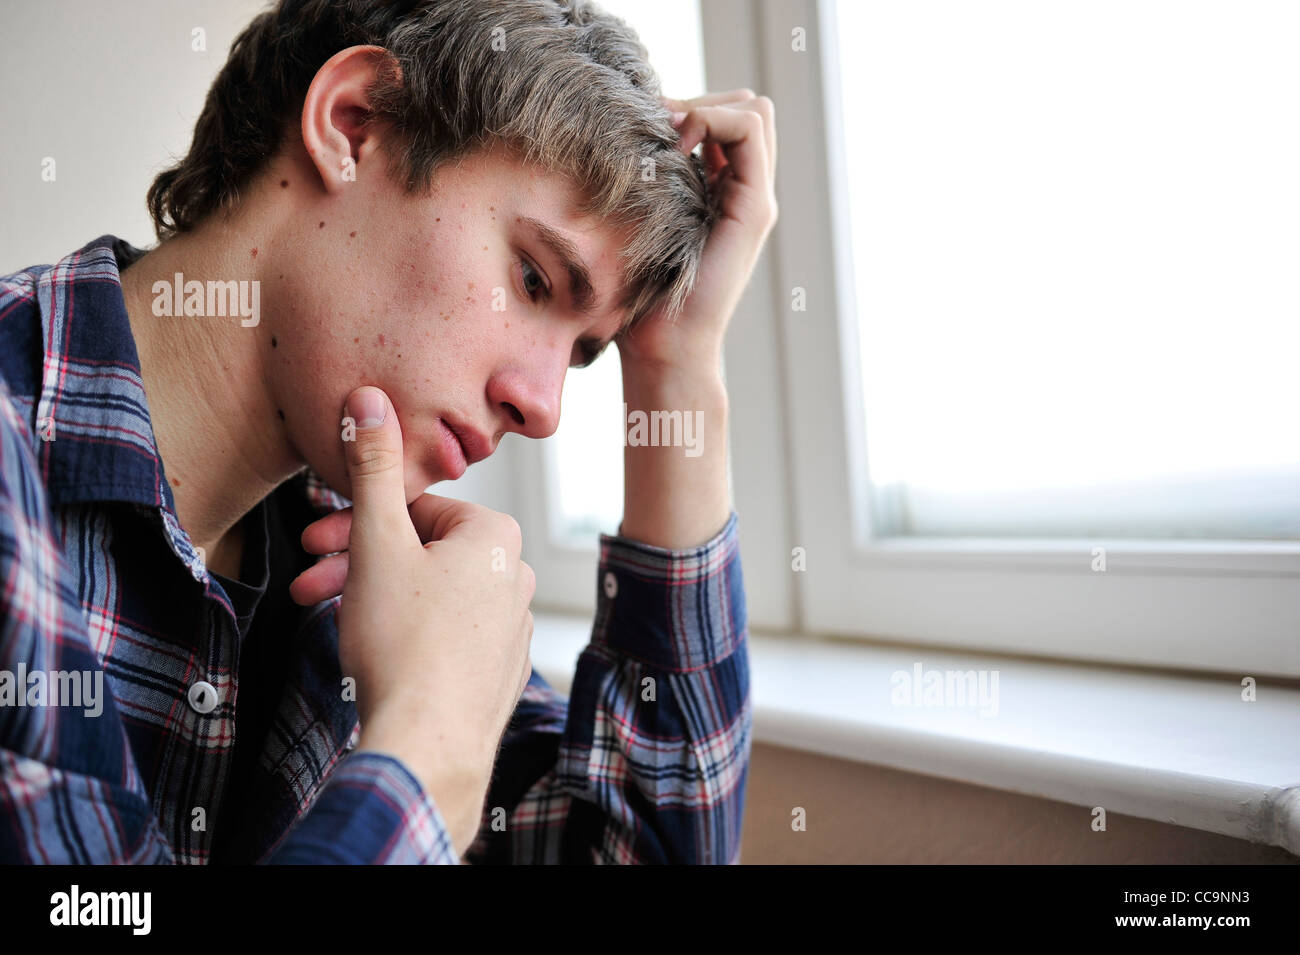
(372, 445)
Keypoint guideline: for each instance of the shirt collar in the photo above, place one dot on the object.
(91, 403)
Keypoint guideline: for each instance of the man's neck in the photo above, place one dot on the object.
(222, 443)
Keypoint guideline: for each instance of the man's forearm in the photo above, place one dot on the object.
(672, 498)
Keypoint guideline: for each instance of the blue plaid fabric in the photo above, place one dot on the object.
(214, 743)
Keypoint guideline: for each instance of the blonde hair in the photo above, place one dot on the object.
(562, 83)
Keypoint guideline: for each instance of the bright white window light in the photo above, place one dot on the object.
(587, 467)
(1076, 244)
(587, 449)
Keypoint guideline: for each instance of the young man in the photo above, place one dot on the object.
(427, 212)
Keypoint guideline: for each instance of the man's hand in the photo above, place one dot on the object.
(669, 499)
(738, 130)
(434, 622)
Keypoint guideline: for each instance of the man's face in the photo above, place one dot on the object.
(453, 304)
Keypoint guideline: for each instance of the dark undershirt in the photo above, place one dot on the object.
(267, 618)
(251, 715)
(254, 572)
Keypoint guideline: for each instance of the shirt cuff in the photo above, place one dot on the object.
(678, 610)
(372, 811)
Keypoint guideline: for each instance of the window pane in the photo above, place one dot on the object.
(1075, 238)
(586, 452)
(587, 448)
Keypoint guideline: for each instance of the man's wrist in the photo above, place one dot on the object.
(674, 497)
(675, 386)
(456, 782)
(701, 368)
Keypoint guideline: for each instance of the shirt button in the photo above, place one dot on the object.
(203, 697)
(611, 584)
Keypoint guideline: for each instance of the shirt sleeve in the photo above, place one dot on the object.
(69, 789)
(373, 810)
(647, 761)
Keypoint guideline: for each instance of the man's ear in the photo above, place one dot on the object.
(336, 113)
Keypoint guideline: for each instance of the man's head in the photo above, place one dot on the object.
(452, 201)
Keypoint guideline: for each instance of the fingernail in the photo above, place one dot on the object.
(677, 118)
(367, 407)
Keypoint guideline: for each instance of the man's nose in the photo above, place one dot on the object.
(530, 392)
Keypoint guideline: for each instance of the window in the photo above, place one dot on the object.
(585, 455)
(1072, 248)
(1037, 389)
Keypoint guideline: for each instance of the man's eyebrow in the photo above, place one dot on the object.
(580, 287)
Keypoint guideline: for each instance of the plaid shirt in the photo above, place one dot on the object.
(212, 744)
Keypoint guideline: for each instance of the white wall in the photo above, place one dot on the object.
(111, 92)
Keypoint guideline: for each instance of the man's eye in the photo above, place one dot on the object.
(585, 352)
(532, 281)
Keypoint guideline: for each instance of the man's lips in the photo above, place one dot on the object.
(452, 456)
(461, 446)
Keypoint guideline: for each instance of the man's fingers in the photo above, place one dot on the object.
(372, 446)
(743, 98)
(767, 109)
(715, 160)
(329, 533)
(741, 135)
(523, 683)
(432, 516)
(447, 519)
(527, 674)
(326, 578)
(436, 517)
(321, 582)
(710, 99)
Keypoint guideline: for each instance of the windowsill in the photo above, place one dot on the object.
(1180, 749)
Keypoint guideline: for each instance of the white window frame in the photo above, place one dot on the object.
(1231, 606)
